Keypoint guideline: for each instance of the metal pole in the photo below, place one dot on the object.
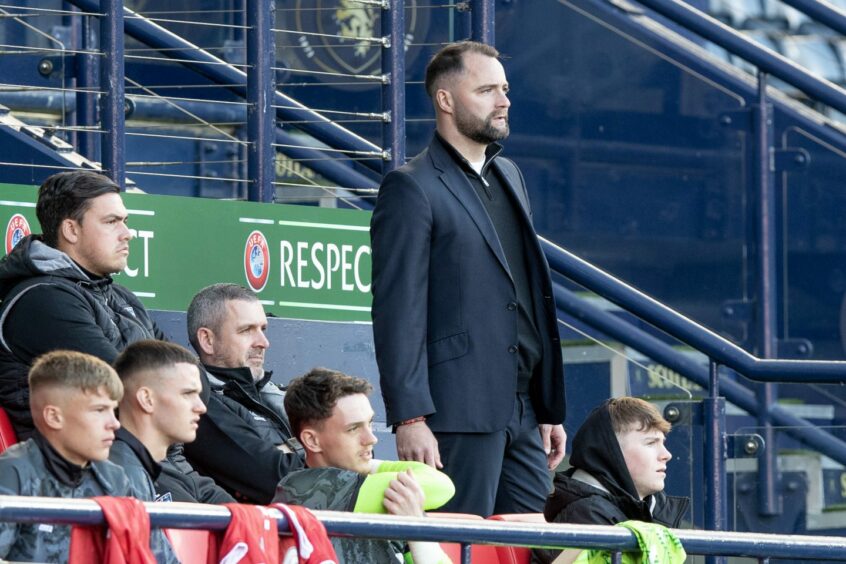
(393, 88)
(484, 21)
(466, 553)
(767, 302)
(87, 82)
(210, 66)
(71, 19)
(112, 85)
(261, 51)
(715, 457)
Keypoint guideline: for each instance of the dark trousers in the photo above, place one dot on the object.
(501, 472)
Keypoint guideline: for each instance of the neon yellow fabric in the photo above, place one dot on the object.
(437, 487)
(658, 545)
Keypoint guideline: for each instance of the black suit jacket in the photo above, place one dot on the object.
(444, 303)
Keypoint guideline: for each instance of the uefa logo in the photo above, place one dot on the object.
(256, 261)
(17, 229)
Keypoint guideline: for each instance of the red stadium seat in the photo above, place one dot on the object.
(479, 553)
(516, 554)
(7, 432)
(190, 545)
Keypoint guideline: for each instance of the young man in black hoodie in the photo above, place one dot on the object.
(617, 473)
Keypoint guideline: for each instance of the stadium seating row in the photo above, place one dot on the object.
(766, 14)
(191, 546)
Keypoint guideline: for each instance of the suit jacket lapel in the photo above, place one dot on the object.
(456, 182)
(512, 181)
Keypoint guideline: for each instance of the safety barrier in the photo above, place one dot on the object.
(465, 532)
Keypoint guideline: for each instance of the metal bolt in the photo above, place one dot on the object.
(751, 446)
(672, 413)
(45, 67)
(725, 120)
(128, 107)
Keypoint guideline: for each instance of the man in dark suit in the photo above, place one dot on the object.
(463, 316)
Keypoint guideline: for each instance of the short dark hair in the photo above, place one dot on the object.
(311, 398)
(75, 370)
(634, 414)
(151, 354)
(208, 308)
(68, 195)
(450, 61)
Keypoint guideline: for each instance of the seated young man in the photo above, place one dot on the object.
(73, 397)
(331, 415)
(617, 473)
(161, 407)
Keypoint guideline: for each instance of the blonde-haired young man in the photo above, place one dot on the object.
(73, 397)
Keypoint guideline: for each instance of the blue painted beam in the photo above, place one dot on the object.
(261, 54)
(393, 91)
(112, 142)
(483, 21)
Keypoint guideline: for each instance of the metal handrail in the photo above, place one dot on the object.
(221, 72)
(717, 32)
(212, 517)
(687, 331)
(822, 12)
(616, 328)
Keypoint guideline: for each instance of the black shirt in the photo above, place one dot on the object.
(504, 212)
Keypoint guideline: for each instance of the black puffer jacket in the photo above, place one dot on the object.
(49, 303)
(239, 436)
(180, 482)
(598, 489)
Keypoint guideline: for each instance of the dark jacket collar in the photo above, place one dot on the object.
(66, 472)
(491, 152)
(152, 467)
(235, 382)
(243, 376)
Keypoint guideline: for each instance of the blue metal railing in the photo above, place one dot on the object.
(687, 331)
(772, 63)
(822, 12)
(212, 517)
(616, 328)
(720, 352)
(768, 289)
(287, 109)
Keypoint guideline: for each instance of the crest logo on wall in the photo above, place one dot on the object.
(256, 261)
(17, 229)
(342, 36)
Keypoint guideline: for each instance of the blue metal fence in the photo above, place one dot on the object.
(211, 517)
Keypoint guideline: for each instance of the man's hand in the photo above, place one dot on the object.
(416, 442)
(404, 496)
(554, 442)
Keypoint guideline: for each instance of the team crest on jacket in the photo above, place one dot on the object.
(17, 229)
(256, 261)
